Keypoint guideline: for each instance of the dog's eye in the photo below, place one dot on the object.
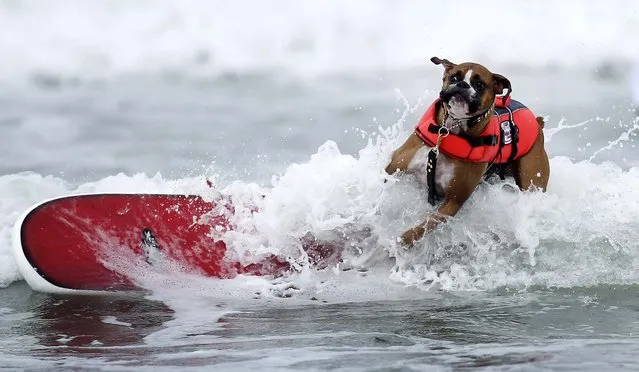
(479, 85)
(454, 79)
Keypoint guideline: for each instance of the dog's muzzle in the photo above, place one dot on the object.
(461, 90)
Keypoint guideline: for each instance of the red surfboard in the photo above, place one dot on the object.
(66, 244)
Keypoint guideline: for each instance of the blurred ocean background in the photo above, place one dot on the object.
(304, 101)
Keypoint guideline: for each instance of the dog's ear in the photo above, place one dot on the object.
(499, 84)
(448, 65)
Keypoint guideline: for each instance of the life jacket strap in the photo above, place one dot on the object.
(489, 140)
(514, 133)
(431, 168)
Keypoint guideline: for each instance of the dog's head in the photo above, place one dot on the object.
(469, 89)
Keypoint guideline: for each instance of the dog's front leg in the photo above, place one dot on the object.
(466, 177)
(402, 157)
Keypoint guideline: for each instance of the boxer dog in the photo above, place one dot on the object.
(465, 133)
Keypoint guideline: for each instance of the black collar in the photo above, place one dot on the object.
(473, 120)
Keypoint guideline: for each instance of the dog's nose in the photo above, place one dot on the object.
(463, 85)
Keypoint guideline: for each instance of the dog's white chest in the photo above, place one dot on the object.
(444, 171)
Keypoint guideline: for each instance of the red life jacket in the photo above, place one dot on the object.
(510, 134)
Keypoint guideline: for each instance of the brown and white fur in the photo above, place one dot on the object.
(468, 90)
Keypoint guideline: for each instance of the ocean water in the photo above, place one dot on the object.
(304, 102)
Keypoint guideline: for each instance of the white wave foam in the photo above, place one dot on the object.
(105, 38)
(580, 233)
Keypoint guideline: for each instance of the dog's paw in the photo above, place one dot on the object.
(411, 236)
